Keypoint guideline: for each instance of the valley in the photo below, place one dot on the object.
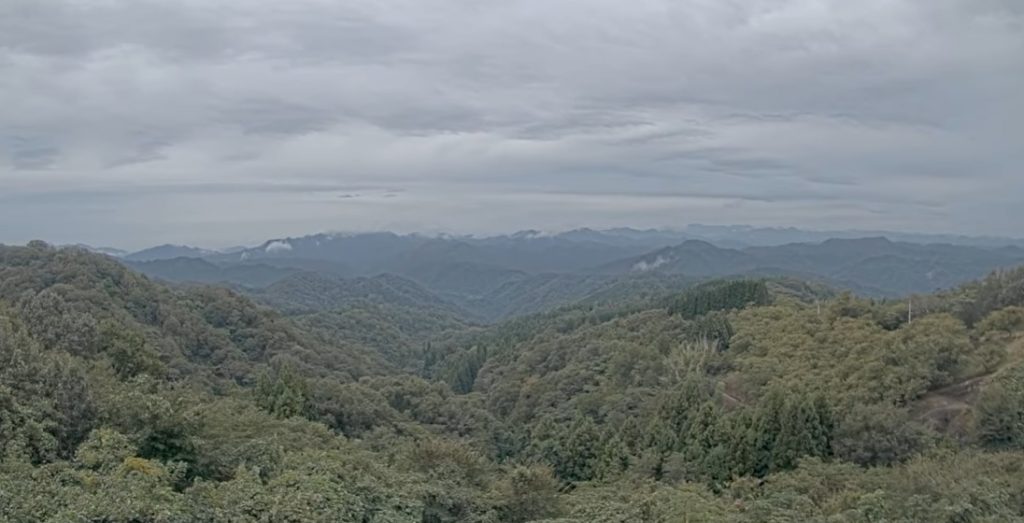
(598, 395)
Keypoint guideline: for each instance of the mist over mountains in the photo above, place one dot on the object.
(485, 279)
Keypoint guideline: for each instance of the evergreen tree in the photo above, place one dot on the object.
(284, 392)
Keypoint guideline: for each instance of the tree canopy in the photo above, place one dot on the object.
(126, 400)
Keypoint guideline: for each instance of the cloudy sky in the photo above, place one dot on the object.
(213, 122)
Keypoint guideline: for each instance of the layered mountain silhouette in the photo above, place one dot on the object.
(486, 279)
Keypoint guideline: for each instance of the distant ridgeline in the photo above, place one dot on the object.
(498, 278)
(608, 395)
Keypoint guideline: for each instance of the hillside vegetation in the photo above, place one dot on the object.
(503, 277)
(745, 400)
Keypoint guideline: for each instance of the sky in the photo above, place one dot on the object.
(215, 122)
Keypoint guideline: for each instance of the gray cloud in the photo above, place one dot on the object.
(143, 121)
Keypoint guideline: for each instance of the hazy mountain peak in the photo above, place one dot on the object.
(529, 234)
(168, 251)
(277, 246)
(699, 244)
(109, 251)
(864, 242)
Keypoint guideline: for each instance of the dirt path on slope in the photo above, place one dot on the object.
(947, 409)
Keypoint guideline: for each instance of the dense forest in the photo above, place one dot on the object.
(501, 277)
(123, 399)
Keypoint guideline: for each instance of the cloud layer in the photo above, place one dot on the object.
(141, 121)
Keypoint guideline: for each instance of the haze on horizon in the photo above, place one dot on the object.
(138, 122)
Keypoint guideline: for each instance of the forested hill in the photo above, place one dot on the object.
(872, 266)
(749, 400)
(503, 277)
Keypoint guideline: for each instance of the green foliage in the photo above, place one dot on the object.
(104, 449)
(462, 369)
(46, 409)
(128, 352)
(122, 400)
(1000, 414)
(645, 502)
(974, 301)
(719, 296)
(851, 359)
(1008, 321)
(352, 408)
(56, 325)
(156, 417)
(714, 327)
(572, 448)
(283, 392)
(528, 494)
(878, 435)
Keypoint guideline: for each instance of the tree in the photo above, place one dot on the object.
(352, 408)
(790, 425)
(46, 408)
(128, 352)
(282, 391)
(52, 321)
(571, 449)
(720, 296)
(877, 435)
(528, 494)
(999, 417)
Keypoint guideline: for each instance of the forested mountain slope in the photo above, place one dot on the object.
(166, 252)
(388, 252)
(311, 292)
(198, 270)
(392, 315)
(496, 278)
(86, 302)
(123, 400)
(874, 266)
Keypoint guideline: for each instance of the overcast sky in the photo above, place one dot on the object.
(212, 122)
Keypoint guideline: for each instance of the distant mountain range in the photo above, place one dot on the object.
(872, 266)
(486, 279)
(109, 251)
(167, 252)
(306, 292)
(731, 236)
(199, 270)
(748, 236)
